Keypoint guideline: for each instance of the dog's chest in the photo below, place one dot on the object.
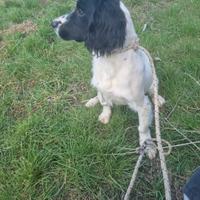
(112, 79)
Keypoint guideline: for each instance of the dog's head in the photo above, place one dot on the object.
(101, 24)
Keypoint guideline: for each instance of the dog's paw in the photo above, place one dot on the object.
(92, 102)
(104, 119)
(150, 149)
(161, 101)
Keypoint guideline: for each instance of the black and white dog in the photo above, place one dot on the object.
(121, 75)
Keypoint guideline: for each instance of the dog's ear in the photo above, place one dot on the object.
(108, 28)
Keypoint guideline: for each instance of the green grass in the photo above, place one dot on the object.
(51, 146)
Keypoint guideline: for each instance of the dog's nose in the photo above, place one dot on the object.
(55, 24)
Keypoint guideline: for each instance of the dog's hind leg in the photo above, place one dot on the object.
(92, 102)
(106, 113)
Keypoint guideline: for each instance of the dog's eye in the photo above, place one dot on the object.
(80, 12)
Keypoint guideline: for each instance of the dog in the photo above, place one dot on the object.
(121, 75)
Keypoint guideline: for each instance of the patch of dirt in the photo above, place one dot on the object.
(177, 183)
(44, 2)
(150, 173)
(74, 92)
(2, 45)
(2, 2)
(3, 50)
(25, 27)
(18, 110)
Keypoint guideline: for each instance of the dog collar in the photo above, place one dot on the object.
(134, 46)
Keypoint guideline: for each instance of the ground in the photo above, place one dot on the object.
(51, 146)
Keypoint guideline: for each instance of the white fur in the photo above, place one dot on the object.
(125, 79)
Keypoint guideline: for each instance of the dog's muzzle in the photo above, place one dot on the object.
(59, 21)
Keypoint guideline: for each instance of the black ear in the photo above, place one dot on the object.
(108, 29)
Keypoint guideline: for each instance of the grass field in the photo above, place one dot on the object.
(51, 146)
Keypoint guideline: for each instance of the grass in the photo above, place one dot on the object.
(51, 146)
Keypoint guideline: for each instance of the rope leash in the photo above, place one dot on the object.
(158, 134)
(134, 176)
(141, 151)
(158, 138)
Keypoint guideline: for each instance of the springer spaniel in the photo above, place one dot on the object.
(121, 75)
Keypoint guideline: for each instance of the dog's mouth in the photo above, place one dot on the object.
(56, 23)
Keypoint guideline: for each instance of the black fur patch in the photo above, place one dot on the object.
(108, 29)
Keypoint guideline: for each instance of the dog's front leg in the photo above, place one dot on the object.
(104, 117)
(144, 110)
